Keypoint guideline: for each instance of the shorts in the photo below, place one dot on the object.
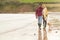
(40, 18)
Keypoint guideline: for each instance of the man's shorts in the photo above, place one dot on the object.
(40, 18)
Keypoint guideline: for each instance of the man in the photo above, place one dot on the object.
(41, 14)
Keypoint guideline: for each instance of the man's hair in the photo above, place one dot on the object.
(40, 3)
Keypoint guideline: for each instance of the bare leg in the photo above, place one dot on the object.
(39, 26)
(44, 23)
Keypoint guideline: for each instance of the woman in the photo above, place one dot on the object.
(45, 14)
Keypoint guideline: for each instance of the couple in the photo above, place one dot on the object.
(41, 14)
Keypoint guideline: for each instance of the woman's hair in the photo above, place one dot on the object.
(44, 5)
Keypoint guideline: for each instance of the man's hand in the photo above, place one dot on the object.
(36, 17)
